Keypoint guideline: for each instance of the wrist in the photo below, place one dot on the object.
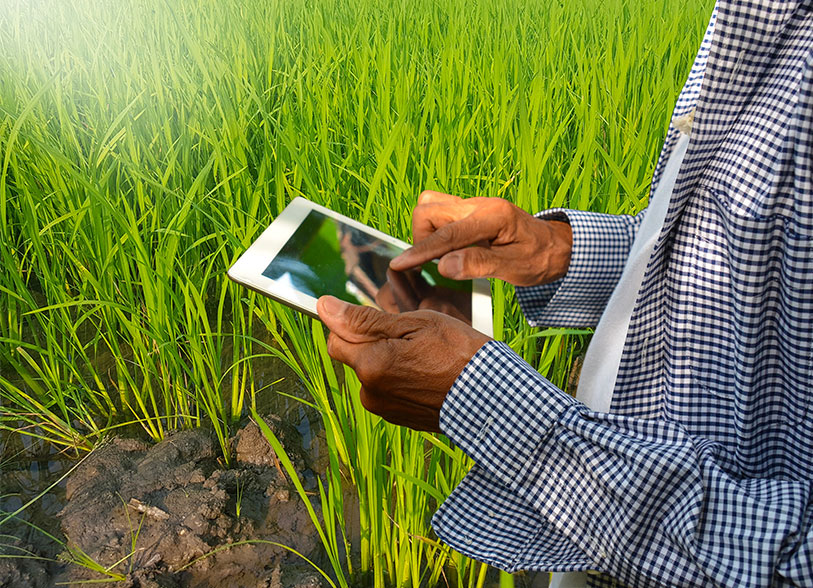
(559, 249)
(549, 255)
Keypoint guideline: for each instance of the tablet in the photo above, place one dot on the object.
(310, 251)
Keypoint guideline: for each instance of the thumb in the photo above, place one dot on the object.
(356, 324)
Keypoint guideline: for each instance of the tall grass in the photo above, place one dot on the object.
(145, 143)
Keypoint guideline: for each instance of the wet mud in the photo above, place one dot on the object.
(171, 514)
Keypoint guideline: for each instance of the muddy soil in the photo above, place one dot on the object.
(170, 515)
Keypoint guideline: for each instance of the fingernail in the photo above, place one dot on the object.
(451, 266)
(333, 306)
(395, 262)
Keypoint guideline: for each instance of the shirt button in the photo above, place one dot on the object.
(484, 429)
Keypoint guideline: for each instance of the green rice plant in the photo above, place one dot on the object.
(398, 475)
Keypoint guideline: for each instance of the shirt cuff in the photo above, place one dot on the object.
(500, 402)
(601, 244)
(500, 411)
(488, 521)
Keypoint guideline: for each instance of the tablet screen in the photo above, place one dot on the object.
(326, 256)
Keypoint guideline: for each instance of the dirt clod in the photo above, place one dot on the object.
(165, 513)
(15, 572)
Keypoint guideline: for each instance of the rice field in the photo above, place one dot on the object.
(144, 144)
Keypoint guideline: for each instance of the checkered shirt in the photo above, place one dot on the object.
(701, 473)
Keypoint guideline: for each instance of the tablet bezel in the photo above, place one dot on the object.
(248, 269)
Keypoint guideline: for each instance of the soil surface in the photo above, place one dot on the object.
(169, 515)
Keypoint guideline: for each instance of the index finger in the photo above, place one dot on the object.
(451, 237)
(429, 216)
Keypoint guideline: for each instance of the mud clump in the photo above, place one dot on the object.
(170, 515)
(31, 573)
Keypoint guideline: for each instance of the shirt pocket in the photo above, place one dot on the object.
(751, 342)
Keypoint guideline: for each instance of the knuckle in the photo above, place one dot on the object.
(419, 216)
(429, 322)
(371, 402)
(331, 345)
(478, 262)
(501, 207)
(425, 195)
(364, 371)
(426, 323)
(485, 259)
(450, 232)
(336, 348)
(362, 318)
(377, 322)
(372, 367)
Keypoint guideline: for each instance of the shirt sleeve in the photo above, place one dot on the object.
(601, 244)
(558, 487)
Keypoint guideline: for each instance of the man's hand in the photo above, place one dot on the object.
(406, 362)
(486, 238)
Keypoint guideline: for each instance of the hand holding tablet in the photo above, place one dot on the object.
(310, 251)
(406, 363)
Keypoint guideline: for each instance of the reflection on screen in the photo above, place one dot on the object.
(327, 256)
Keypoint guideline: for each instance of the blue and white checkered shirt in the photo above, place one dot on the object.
(702, 473)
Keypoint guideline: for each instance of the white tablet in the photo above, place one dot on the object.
(310, 251)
